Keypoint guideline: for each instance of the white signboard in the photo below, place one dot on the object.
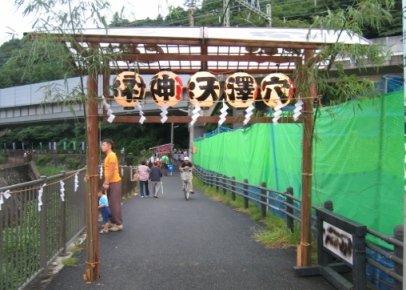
(338, 241)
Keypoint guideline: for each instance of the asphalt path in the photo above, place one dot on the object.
(171, 243)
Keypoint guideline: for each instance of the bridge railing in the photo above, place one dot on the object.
(39, 219)
(384, 267)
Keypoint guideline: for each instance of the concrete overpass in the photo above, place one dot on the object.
(34, 104)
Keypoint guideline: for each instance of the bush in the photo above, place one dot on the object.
(50, 170)
(73, 163)
(44, 160)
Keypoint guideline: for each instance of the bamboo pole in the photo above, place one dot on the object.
(304, 249)
(92, 239)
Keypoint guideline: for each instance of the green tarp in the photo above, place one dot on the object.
(358, 158)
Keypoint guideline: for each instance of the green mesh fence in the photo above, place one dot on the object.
(358, 157)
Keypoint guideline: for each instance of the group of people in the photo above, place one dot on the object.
(163, 162)
(110, 197)
(153, 174)
(179, 156)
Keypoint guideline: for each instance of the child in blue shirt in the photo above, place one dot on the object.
(104, 210)
(170, 168)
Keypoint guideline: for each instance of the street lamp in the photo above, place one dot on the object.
(172, 127)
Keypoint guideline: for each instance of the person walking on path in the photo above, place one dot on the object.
(112, 184)
(165, 162)
(143, 176)
(186, 168)
(104, 210)
(155, 177)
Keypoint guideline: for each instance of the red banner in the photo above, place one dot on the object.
(163, 148)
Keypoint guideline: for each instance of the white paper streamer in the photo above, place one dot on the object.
(122, 171)
(76, 181)
(109, 112)
(195, 114)
(298, 110)
(142, 118)
(6, 195)
(248, 113)
(62, 190)
(111, 118)
(40, 191)
(101, 171)
(164, 113)
(278, 112)
(105, 104)
(223, 114)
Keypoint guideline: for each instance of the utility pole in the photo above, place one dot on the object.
(256, 8)
(192, 6)
(269, 13)
(226, 13)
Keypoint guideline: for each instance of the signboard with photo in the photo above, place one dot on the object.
(338, 242)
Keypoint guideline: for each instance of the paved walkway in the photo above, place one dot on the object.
(171, 243)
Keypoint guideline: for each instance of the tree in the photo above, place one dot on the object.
(21, 67)
(68, 18)
(118, 20)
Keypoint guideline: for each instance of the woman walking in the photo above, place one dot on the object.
(155, 177)
(143, 176)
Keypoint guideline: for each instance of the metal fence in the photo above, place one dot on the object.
(384, 267)
(10, 158)
(38, 220)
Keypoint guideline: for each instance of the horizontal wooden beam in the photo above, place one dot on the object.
(153, 57)
(177, 70)
(201, 119)
(256, 43)
(137, 40)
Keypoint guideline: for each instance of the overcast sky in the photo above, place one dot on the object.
(13, 21)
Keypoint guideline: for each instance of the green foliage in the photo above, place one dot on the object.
(33, 135)
(70, 262)
(44, 160)
(73, 163)
(277, 234)
(133, 137)
(76, 249)
(21, 240)
(329, 76)
(21, 67)
(284, 14)
(50, 170)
